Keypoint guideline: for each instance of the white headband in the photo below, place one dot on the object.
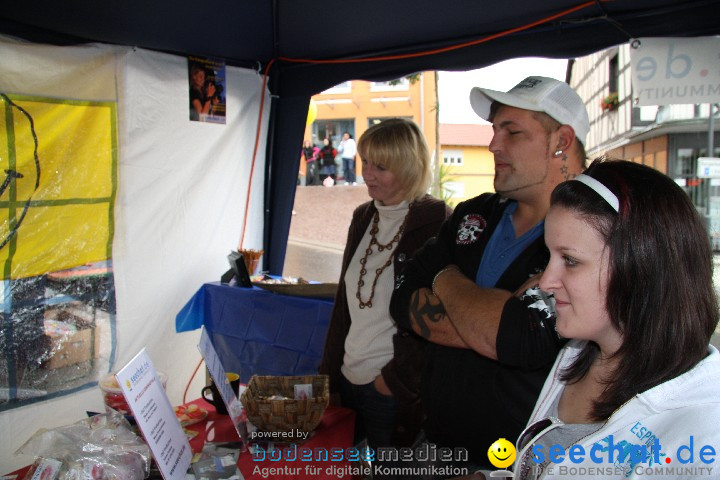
(600, 189)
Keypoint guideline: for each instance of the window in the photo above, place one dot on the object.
(686, 168)
(685, 164)
(613, 73)
(344, 87)
(332, 129)
(452, 158)
(57, 293)
(644, 115)
(375, 120)
(392, 85)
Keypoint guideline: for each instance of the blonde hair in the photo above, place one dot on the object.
(398, 145)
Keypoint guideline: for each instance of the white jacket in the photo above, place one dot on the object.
(347, 148)
(672, 412)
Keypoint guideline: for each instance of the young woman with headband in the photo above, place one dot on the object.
(631, 273)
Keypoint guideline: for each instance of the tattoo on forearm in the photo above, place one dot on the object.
(425, 308)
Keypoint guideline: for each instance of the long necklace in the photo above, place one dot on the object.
(368, 251)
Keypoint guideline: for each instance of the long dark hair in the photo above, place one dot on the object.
(660, 293)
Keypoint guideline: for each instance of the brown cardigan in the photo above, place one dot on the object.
(402, 373)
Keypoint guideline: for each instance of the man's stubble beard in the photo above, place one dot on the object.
(532, 184)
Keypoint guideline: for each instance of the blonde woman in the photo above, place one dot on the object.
(374, 369)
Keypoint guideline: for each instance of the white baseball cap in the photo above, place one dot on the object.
(539, 94)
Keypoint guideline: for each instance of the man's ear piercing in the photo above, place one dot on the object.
(558, 153)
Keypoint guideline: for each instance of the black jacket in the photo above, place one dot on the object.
(470, 400)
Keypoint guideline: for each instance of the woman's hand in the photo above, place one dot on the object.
(381, 386)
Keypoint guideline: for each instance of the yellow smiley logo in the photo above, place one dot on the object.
(501, 453)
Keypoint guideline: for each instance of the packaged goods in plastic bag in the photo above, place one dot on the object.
(102, 447)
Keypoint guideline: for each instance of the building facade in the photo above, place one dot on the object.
(466, 162)
(669, 138)
(354, 106)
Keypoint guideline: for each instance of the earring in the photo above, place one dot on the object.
(558, 153)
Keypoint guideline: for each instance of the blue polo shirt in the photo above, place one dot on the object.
(503, 248)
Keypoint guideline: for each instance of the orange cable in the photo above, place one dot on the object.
(449, 48)
(255, 150)
(187, 387)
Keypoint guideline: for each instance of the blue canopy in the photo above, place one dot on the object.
(309, 46)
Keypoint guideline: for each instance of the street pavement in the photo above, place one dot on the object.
(318, 230)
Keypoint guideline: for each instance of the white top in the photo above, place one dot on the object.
(347, 148)
(670, 413)
(368, 345)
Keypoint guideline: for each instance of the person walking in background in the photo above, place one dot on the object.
(327, 162)
(374, 369)
(311, 154)
(348, 150)
(631, 274)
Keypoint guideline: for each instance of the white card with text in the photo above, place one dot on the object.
(155, 416)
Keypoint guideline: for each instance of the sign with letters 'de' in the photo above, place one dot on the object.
(155, 416)
(675, 70)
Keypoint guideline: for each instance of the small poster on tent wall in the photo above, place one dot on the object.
(207, 88)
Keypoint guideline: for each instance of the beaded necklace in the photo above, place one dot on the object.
(368, 251)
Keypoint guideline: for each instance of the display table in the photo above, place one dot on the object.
(335, 431)
(255, 331)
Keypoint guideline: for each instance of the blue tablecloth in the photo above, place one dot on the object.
(259, 332)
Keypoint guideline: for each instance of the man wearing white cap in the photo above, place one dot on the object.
(471, 292)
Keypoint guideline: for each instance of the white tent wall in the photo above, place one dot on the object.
(180, 204)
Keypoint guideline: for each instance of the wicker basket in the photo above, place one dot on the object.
(285, 415)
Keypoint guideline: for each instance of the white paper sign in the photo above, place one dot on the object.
(675, 70)
(217, 372)
(155, 416)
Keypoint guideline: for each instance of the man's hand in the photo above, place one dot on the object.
(474, 311)
(430, 321)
